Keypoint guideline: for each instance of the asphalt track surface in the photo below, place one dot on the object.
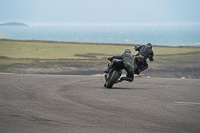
(80, 104)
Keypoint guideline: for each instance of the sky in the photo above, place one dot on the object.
(100, 11)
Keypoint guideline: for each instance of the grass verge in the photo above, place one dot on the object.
(18, 56)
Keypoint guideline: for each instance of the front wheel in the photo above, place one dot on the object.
(112, 80)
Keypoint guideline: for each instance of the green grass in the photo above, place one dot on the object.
(59, 54)
(174, 50)
(43, 50)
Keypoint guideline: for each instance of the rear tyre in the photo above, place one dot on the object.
(112, 80)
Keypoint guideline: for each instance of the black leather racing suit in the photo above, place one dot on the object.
(146, 52)
(128, 64)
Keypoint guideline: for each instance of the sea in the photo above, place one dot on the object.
(162, 35)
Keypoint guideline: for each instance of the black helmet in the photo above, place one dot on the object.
(127, 51)
(149, 45)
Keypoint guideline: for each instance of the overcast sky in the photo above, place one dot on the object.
(100, 11)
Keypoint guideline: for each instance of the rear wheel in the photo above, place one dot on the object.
(112, 80)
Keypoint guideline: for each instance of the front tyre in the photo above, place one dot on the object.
(112, 80)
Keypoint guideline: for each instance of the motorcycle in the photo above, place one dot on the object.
(113, 76)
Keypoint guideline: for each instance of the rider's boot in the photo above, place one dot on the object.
(137, 71)
(127, 79)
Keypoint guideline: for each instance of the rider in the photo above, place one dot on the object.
(147, 52)
(128, 64)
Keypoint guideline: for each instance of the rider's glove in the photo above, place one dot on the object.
(151, 59)
(135, 48)
(110, 58)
